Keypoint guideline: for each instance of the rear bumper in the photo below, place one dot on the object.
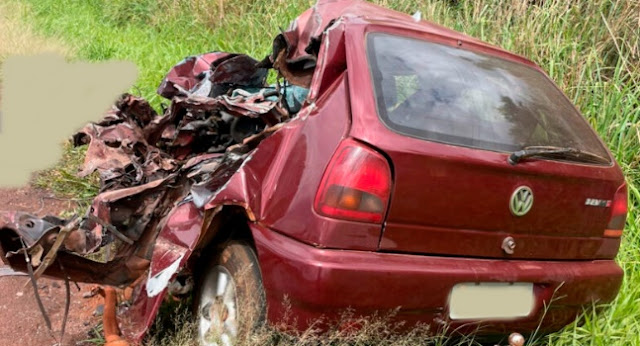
(318, 283)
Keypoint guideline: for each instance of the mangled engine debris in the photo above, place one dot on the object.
(221, 108)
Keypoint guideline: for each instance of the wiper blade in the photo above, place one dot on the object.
(551, 151)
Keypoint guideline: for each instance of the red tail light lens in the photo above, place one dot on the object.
(356, 184)
(618, 213)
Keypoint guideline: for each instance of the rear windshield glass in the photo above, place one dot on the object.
(451, 95)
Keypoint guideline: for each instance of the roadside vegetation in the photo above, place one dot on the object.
(591, 48)
(19, 38)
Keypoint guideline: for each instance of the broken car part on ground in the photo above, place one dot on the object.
(337, 190)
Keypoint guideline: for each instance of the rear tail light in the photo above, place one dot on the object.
(618, 213)
(356, 184)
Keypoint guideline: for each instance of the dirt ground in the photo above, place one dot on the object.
(21, 322)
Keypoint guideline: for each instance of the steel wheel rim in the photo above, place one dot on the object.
(217, 309)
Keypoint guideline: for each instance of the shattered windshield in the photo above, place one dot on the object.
(455, 96)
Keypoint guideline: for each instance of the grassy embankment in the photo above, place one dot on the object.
(19, 38)
(590, 48)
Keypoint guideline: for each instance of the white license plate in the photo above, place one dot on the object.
(491, 300)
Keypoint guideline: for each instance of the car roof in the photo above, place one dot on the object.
(311, 23)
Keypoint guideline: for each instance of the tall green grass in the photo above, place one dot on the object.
(590, 48)
(157, 34)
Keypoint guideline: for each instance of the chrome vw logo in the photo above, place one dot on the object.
(521, 201)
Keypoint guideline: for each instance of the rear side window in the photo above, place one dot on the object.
(451, 95)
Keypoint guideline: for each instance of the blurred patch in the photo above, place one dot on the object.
(44, 100)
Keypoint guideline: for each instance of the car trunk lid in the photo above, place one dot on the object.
(462, 208)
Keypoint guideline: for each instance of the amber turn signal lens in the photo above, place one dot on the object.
(613, 233)
(350, 199)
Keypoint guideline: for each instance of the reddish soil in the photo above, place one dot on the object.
(21, 322)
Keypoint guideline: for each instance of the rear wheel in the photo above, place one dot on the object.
(230, 301)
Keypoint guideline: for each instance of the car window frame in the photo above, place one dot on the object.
(512, 58)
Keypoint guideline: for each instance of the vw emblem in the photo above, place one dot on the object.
(521, 201)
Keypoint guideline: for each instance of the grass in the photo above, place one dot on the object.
(157, 34)
(63, 181)
(175, 326)
(19, 38)
(590, 48)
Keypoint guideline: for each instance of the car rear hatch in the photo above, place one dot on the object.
(461, 115)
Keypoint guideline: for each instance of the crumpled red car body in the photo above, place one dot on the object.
(166, 204)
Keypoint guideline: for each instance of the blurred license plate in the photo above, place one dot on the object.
(491, 300)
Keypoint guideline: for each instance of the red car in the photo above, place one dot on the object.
(421, 169)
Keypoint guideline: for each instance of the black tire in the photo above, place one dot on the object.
(238, 260)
